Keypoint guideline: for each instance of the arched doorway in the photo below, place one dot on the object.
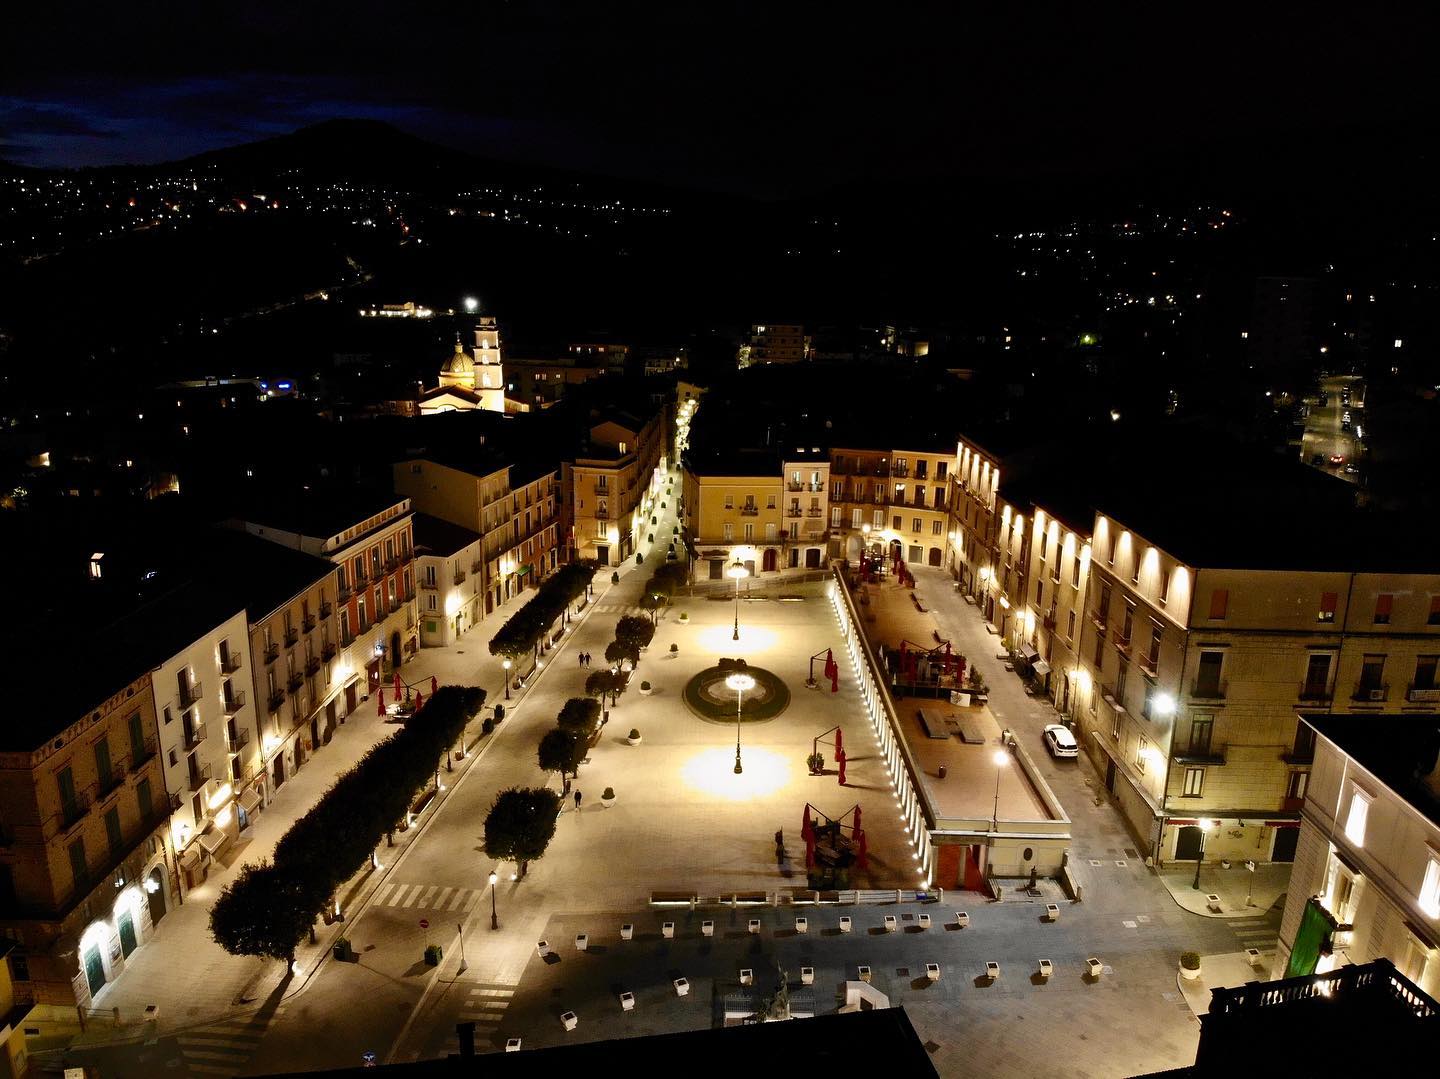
(769, 560)
(155, 894)
(935, 556)
(1189, 843)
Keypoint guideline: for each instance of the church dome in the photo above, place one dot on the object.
(460, 363)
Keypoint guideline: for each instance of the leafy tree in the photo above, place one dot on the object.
(562, 750)
(521, 633)
(617, 652)
(520, 825)
(604, 682)
(263, 911)
(634, 633)
(580, 714)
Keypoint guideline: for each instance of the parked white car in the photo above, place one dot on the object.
(1060, 742)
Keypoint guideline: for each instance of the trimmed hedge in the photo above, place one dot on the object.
(330, 843)
(521, 633)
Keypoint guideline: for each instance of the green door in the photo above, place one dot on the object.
(127, 933)
(94, 970)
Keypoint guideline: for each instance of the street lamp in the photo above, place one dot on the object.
(739, 683)
(1205, 826)
(494, 918)
(506, 664)
(737, 570)
(1001, 759)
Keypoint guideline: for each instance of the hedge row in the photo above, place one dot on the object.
(523, 630)
(268, 909)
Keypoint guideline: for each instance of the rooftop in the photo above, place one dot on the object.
(317, 512)
(1402, 751)
(260, 575)
(437, 537)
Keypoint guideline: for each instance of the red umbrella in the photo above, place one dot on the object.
(434, 686)
(419, 700)
(397, 685)
(381, 709)
(807, 830)
(840, 760)
(839, 741)
(862, 858)
(829, 660)
(834, 681)
(856, 823)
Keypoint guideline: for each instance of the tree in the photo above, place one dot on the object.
(605, 682)
(634, 632)
(562, 750)
(617, 652)
(657, 595)
(520, 825)
(580, 714)
(263, 911)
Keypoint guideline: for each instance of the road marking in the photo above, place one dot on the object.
(444, 897)
(205, 1041)
(491, 992)
(1128, 924)
(461, 895)
(413, 896)
(381, 896)
(490, 1005)
(425, 899)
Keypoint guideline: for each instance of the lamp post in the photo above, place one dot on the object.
(739, 683)
(506, 664)
(1001, 759)
(494, 918)
(1205, 826)
(737, 570)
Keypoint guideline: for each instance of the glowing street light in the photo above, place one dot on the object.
(494, 918)
(1205, 826)
(506, 664)
(739, 682)
(471, 305)
(1001, 759)
(737, 570)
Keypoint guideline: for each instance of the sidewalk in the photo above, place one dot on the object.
(1224, 971)
(1271, 880)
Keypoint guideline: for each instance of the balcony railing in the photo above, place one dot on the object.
(459, 576)
(749, 511)
(230, 662)
(428, 585)
(272, 652)
(409, 596)
(345, 592)
(326, 609)
(392, 564)
(275, 700)
(1200, 755)
(194, 736)
(197, 778)
(292, 637)
(1209, 691)
(139, 759)
(477, 566)
(307, 624)
(312, 665)
(814, 511)
(347, 639)
(1368, 692)
(74, 810)
(295, 681)
(1149, 666)
(327, 650)
(603, 489)
(900, 471)
(1315, 692)
(406, 555)
(1423, 694)
(603, 515)
(108, 783)
(189, 695)
(793, 511)
(240, 741)
(234, 702)
(795, 485)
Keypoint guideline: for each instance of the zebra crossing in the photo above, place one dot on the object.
(427, 897)
(621, 608)
(1262, 933)
(484, 1005)
(221, 1048)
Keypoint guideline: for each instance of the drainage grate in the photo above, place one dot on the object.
(1129, 924)
(1096, 862)
(932, 1047)
(1121, 863)
(1131, 853)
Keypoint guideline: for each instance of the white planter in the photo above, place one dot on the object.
(607, 802)
(646, 692)
(633, 741)
(1190, 975)
(684, 617)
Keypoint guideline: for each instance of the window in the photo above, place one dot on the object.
(934, 528)
(1102, 609)
(1339, 889)
(1194, 782)
(137, 739)
(1142, 751)
(729, 531)
(1039, 593)
(1115, 725)
(1114, 546)
(1328, 601)
(770, 531)
(1372, 678)
(1358, 815)
(749, 531)
(1430, 886)
(1434, 619)
(897, 523)
(430, 601)
(1075, 571)
(1123, 637)
(915, 524)
(1384, 602)
(1099, 654)
(112, 832)
(102, 759)
(1296, 785)
(1207, 678)
(940, 471)
(1219, 603)
(855, 515)
(877, 519)
(66, 780)
(729, 502)
(1122, 675)
(1317, 677)
(1202, 728)
(77, 861)
(1070, 627)
(769, 502)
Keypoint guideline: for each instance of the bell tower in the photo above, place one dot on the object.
(489, 370)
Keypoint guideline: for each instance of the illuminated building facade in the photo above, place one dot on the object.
(614, 486)
(770, 511)
(884, 500)
(450, 572)
(470, 378)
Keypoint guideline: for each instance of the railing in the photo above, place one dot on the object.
(392, 564)
(1099, 621)
(1367, 691)
(312, 665)
(197, 778)
(459, 576)
(1423, 694)
(292, 637)
(409, 596)
(899, 471)
(294, 682)
(272, 652)
(275, 700)
(880, 498)
(1149, 665)
(345, 592)
(327, 650)
(406, 555)
(234, 702)
(795, 485)
(347, 639)
(814, 511)
(1378, 978)
(429, 585)
(325, 609)
(142, 758)
(241, 739)
(603, 515)
(749, 511)
(1315, 692)
(602, 489)
(189, 695)
(194, 736)
(1201, 755)
(307, 624)
(793, 511)
(108, 783)
(75, 809)
(1210, 691)
(477, 567)
(230, 662)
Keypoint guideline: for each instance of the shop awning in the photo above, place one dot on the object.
(1028, 652)
(213, 840)
(249, 800)
(1041, 668)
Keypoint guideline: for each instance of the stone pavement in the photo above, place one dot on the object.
(1264, 888)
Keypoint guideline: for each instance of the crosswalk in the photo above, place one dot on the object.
(221, 1048)
(427, 897)
(1262, 932)
(621, 608)
(484, 1005)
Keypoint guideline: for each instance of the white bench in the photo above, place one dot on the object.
(1052, 912)
(682, 987)
(932, 971)
(1047, 968)
(845, 923)
(707, 929)
(890, 923)
(802, 925)
(627, 931)
(627, 1002)
(570, 1019)
(1094, 968)
(962, 919)
(992, 971)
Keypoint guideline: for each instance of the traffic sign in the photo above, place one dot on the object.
(424, 923)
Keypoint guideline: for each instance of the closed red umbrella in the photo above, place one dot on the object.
(380, 710)
(829, 660)
(835, 681)
(839, 740)
(434, 686)
(397, 685)
(856, 823)
(840, 761)
(419, 700)
(807, 830)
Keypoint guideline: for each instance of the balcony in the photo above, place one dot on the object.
(275, 700)
(312, 665)
(603, 515)
(459, 576)
(345, 592)
(108, 783)
(1315, 693)
(1423, 695)
(1208, 690)
(307, 624)
(240, 741)
(602, 490)
(193, 736)
(327, 650)
(189, 695)
(1370, 693)
(1197, 754)
(295, 681)
(840, 467)
(429, 586)
(326, 609)
(292, 637)
(793, 511)
(361, 580)
(272, 653)
(234, 702)
(347, 639)
(197, 779)
(406, 555)
(814, 511)
(1149, 666)
(230, 662)
(880, 498)
(795, 485)
(749, 511)
(477, 567)
(74, 810)
(900, 471)
(392, 564)
(139, 759)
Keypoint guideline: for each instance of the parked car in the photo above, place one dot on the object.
(1336, 459)
(1060, 742)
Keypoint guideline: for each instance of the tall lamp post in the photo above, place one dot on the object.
(506, 664)
(494, 917)
(1205, 826)
(737, 570)
(739, 683)
(1001, 759)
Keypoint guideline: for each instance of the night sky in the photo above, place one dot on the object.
(723, 96)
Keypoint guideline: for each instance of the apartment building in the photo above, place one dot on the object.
(884, 500)
(768, 510)
(975, 510)
(369, 539)
(1054, 589)
(1366, 880)
(613, 487)
(775, 343)
(450, 569)
(511, 505)
(86, 862)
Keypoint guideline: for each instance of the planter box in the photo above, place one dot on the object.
(582, 941)
(864, 974)
(754, 925)
(542, 948)
(512, 1045)
(932, 971)
(962, 919)
(627, 931)
(570, 1020)
(1094, 968)
(607, 802)
(845, 923)
(646, 692)
(707, 929)
(802, 925)
(924, 921)
(890, 923)
(992, 971)
(1047, 968)
(1214, 904)
(747, 976)
(667, 930)
(633, 741)
(1254, 958)
(627, 1002)
(682, 987)
(1052, 912)
(1188, 974)
(807, 975)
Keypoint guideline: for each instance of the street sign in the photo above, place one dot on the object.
(424, 923)
(1250, 865)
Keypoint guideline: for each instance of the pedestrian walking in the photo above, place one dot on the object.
(577, 799)
(581, 657)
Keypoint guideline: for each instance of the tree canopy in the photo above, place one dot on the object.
(520, 825)
(603, 682)
(522, 630)
(562, 750)
(263, 912)
(579, 714)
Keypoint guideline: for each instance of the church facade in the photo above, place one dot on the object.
(470, 378)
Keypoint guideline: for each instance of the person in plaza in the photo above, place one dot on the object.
(581, 657)
(577, 799)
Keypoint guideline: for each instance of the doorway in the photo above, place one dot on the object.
(602, 555)
(935, 556)
(350, 699)
(1285, 840)
(329, 720)
(770, 560)
(279, 773)
(126, 924)
(1110, 774)
(315, 742)
(812, 558)
(94, 970)
(155, 895)
(1190, 843)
